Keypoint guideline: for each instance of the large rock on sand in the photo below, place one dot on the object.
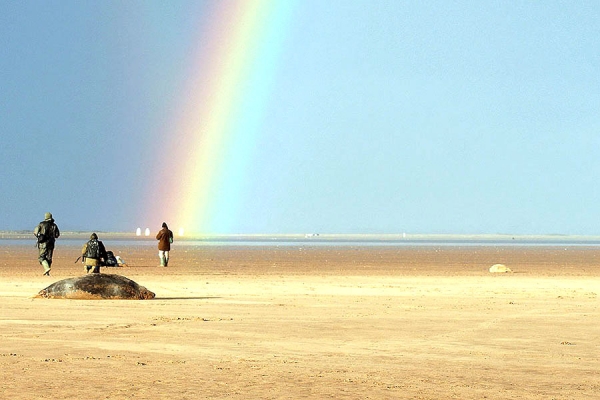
(96, 287)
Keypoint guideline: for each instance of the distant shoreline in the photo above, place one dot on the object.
(392, 238)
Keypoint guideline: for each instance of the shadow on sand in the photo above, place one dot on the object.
(185, 298)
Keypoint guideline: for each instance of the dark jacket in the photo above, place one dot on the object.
(47, 232)
(164, 237)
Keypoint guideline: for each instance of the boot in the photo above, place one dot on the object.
(46, 266)
(166, 262)
(162, 262)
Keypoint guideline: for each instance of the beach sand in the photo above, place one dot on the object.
(293, 322)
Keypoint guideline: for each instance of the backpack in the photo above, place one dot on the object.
(111, 260)
(93, 249)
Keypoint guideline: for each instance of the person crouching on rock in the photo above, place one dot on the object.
(93, 254)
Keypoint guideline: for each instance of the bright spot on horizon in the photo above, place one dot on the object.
(147, 232)
(181, 231)
(138, 232)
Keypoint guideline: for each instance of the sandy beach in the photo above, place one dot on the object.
(313, 322)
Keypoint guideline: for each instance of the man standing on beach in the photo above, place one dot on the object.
(46, 232)
(165, 238)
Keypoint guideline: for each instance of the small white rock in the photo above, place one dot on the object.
(497, 268)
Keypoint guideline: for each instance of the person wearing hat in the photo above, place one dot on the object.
(165, 238)
(46, 233)
(93, 254)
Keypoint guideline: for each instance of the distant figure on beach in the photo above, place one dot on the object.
(93, 254)
(165, 238)
(46, 233)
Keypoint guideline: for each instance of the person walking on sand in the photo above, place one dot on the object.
(165, 238)
(93, 254)
(46, 233)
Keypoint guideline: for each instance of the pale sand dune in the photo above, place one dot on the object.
(289, 323)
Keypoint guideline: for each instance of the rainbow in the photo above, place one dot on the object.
(216, 127)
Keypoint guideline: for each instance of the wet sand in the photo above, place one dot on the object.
(296, 322)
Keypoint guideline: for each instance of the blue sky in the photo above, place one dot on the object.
(385, 116)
